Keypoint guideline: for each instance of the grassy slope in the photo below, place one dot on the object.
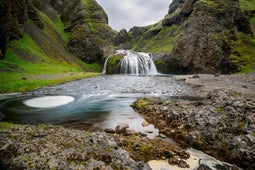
(157, 39)
(27, 58)
(244, 46)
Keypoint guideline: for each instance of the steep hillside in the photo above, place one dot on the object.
(46, 37)
(200, 36)
(248, 6)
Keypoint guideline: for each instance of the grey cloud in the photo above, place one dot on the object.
(129, 13)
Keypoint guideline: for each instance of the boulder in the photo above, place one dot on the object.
(121, 128)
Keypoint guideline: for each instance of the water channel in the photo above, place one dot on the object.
(98, 102)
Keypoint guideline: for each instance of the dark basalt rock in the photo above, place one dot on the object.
(198, 50)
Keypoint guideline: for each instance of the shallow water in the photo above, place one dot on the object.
(100, 102)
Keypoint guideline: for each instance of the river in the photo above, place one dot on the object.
(99, 102)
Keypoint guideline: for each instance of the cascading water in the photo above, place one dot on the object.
(134, 63)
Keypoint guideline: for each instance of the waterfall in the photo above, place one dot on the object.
(134, 63)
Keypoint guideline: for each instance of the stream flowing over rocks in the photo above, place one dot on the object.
(214, 114)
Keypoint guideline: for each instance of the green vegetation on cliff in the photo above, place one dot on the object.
(243, 53)
(201, 36)
(248, 6)
(156, 39)
(27, 67)
(40, 57)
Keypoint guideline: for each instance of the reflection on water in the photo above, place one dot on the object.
(94, 111)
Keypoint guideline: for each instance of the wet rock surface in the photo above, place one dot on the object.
(221, 123)
(52, 147)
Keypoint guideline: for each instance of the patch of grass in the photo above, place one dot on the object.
(163, 41)
(31, 62)
(221, 109)
(243, 53)
(247, 5)
(6, 125)
(20, 82)
(58, 26)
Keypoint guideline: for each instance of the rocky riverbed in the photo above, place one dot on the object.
(54, 147)
(220, 120)
(212, 113)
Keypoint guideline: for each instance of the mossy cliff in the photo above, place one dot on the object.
(91, 37)
(84, 20)
(50, 37)
(200, 36)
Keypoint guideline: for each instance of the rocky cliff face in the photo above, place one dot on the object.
(202, 47)
(91, 36)
(85, 22)
(199, 36)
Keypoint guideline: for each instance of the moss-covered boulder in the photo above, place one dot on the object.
(113, 66)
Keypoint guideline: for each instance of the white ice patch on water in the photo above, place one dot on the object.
(48, 101)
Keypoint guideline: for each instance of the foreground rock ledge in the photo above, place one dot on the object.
(222, 124)
(54, 147)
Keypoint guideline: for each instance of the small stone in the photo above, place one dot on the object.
(130, 131)
(217, 75)
(53, 163)
(244, 86)
(196, 76)
(149, 131)
(162, 135)
(183, 164)
(109, 130)
(121, 128)
(145, 123)
(5, 146)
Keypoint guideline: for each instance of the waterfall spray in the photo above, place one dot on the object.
(134, 63)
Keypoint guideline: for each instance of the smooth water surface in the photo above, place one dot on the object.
(99, 102)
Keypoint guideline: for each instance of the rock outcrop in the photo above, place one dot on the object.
(221, 125)
(91, 36)
(198, 36)
(201, 48)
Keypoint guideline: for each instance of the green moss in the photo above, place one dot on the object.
(53, 27)
(243, 53)
(6, 125)
(29, 61)
(140, 104)
(247, 5)
(157, 39)
(112, 63)
(144, 148)
(221, 109)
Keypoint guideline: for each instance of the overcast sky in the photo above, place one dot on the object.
(129, 13)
